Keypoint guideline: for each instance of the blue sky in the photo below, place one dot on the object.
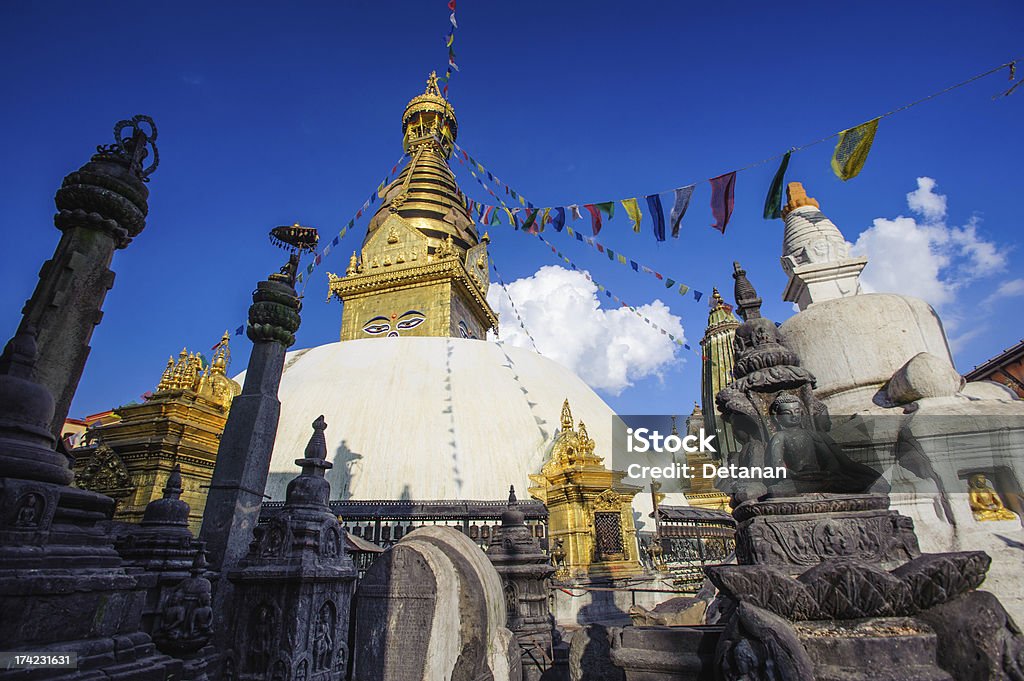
(271, 113)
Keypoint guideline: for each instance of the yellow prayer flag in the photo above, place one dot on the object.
(522, 201)
(622, 259)
(633, 211)
(852, 150)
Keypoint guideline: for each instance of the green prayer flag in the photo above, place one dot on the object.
(773, 202)
(852, 150)
(608, 208)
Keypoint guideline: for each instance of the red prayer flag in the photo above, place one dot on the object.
(723, 190)
(451, 5)
(595, 217)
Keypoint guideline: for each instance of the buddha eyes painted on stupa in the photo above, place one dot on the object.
(464, 330)
(390, 326)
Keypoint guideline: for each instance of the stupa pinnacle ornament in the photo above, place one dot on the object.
(815, 255)
(422, 269)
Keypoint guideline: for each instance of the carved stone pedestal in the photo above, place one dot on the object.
(796, 533)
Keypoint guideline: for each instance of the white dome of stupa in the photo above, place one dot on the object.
(428, 418)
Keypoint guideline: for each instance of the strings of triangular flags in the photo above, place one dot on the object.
(603, 289)
(449, 41)
(515, 311)
(303, 276)
(378, 193)
(533, 225)
(848, 160)
(511, 212)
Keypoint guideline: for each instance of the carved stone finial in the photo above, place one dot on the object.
(796, 196)
(172, 490)
(19, 356)
(274, 313)
(747, 300)
(512, 495)
(310, 487)
(317, 447)
(170, 510)
(27, 408)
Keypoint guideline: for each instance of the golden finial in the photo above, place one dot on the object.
(675, 430)
(222, 356)
(486, 238)
(566, 417)
(432, 88)
(796, 196)
(167, 377)
(353, 265)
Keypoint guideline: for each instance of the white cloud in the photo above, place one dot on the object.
(926, 258)
(924, 201)
(609, 349)
(1008, 289)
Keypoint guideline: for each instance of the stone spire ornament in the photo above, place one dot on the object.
(815, 255)
(101, 207)
(525, 572)
(289, 613)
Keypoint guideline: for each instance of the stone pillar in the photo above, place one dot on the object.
(100, 208)
(243, 459)
(289, 616)
(525, 571)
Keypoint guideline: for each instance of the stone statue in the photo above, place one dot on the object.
(814, 461)
(985, 503)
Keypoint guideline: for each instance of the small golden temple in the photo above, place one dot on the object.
(180, 423)
(590, 510)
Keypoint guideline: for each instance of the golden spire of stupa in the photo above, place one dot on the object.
(425, 192)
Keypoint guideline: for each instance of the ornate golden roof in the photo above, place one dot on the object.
(425, 193)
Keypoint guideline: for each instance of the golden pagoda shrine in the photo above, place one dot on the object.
(590, 510)
(178, 424)
(700, 491)
(422, 269)
(717, 360)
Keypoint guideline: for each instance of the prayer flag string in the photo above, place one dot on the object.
(328, 246)
(515, 311)
(848, 160)
(613, 256)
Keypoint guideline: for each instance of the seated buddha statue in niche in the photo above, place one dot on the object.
(813, 460)
(985, 502)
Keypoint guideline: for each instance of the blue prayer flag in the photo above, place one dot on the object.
(682, 202)
(657, 215)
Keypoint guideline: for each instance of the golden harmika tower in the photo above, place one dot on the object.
(180, 423)
(422, 270)
(590, 510)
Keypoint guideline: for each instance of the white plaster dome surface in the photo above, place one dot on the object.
(428, 418)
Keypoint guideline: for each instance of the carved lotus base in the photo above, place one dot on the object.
(799, 532)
